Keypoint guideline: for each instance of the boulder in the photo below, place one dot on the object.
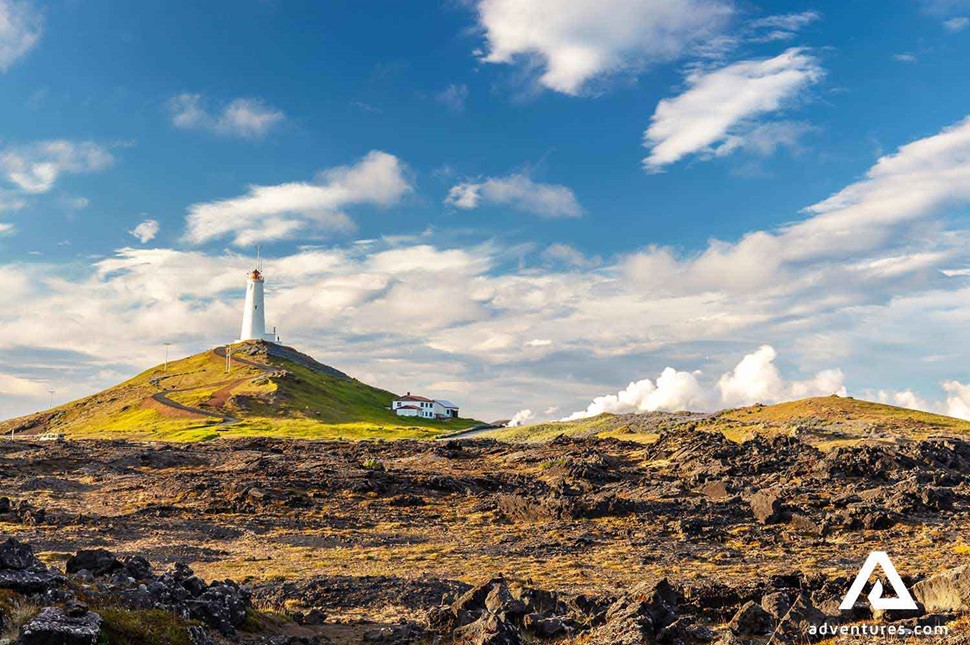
(766, 506)
(948, 591)
(17, 556)
(22, 572)
(139, 568)
(544, 627)
(794, 626)
(473, 600)
(751, 619)
(98, 562)
(490, 629)
(805, 524)
(73, 625)
(776, 604)
(639, 615)
(223, 606)
(500, 600)
(716, 490)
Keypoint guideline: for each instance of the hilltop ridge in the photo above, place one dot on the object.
(823, 421)
(271, 390)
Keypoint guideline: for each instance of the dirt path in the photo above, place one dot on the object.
(162, 398)
(220, 395)
(470, 433)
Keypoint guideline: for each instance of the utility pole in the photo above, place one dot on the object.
(167, 345)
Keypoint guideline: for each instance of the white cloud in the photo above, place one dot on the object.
(906, 57)
(145, 231)
(519, 192)
(765, 139)
(576, 42)
(754, 380)
(908, 399)
(918, 180)
(521, 418)
(284, 210)
(957, 24)
(20, 29)
(453, 97)
(786, 22)
(720, 106)
(673, 390)
(956, 404)
(35, 168)
(6, 228)
(246, 118)
(958, 399)
(781, 27)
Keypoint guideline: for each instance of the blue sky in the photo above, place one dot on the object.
(520, 205)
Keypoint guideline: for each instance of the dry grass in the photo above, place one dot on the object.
(17, 611)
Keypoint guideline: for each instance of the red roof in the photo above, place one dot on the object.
(408, 407)
(412, 397)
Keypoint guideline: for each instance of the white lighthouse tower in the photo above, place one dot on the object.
(254, 314)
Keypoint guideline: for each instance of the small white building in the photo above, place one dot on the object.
(412, 405)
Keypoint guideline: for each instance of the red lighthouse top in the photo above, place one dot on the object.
(255, 275)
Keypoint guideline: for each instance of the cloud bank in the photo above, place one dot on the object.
(508, 328)
(755, 379)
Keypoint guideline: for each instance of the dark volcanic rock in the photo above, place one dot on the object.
(776, 604)
(794, 626)
(638, 616)
(21, 571)
(17, 556)
(751, 619)
(490, 629)
(98, 562)
(55, 626)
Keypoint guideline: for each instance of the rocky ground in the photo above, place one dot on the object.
(691, 539)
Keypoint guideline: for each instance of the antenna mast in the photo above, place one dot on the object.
(259, 259)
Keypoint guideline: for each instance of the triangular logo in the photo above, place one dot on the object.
(902, 600)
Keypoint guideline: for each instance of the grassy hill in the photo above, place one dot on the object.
(823, 421)
(270, 390)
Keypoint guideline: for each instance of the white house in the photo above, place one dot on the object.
(412, 405)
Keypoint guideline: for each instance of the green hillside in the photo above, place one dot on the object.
(823, 421)
(270, 390)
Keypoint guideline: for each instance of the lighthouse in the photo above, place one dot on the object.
(254, 314)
